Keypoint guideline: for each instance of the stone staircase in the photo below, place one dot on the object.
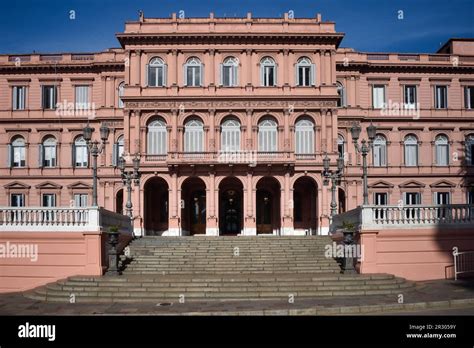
(179, 269)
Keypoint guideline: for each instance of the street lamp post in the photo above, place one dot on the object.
(127, 177)
(364, 149)
(95, 149)
(335, 177)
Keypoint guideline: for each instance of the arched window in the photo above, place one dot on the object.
(47, 152)
(267, 135)
(341, 91)
(304, 136)
(80, 156)
(379, 151)
(268, 72)
(193, 72)
(341, 143)
(120, 146)
(229, 72)
(120, 94)
(230, 135)
(156, 72)
(194, 136)
(305, 72)
(157, 137)
(470, 150)
(17, 153)
(442, 150)
(411, 150)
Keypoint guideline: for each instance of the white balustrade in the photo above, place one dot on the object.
(61, 219)
(407, 216)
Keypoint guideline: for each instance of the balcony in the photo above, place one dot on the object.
(378, 217)
(61, 219)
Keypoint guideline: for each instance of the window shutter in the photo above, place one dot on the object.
(40, 155)
(296, 75)
(202, 75)
(344, 96)
(147, 77)
(115, 154)
(262, 75)
(185, 74)
(275, 74)
(73, 155)
(9, 155)
(165, 75)
(235, 68)
(312, 73)
(221, 75)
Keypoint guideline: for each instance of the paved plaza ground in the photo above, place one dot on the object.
(443, 297)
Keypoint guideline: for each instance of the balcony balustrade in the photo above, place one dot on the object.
(371, 217)
(61, 219)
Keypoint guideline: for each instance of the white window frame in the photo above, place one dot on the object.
(50, 102)
(22, 199)
(82, 97)
(50, 200)
(442, 142)
(440, 97)
(49, 152)
(81, 153)
(193, 69)
(157, 137)
(158, 66)
(121, 89)
(469, 97)
(305, 72)
(230, 135)
(19, 97)
(341, 146)
(229, 72)
(341, 91)
(304, 136)
(379, 98)
(194, 136)
(410, 96)
(410, 142)
(268, 68)
(81, 200)
(267, 135)
(17, 153)
(379, 151)
(469, 147)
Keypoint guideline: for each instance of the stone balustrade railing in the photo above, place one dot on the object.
(404, 217)
(61, 219)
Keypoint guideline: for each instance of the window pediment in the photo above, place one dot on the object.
(381, 184)
(443, 183)
(48, 185)
(79, 185)
(412, 184)
(17, 185)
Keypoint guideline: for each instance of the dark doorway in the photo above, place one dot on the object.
(193, 212)
(230, 206)
(268, 206)
(156, 206)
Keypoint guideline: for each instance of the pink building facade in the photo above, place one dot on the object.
(231, 119)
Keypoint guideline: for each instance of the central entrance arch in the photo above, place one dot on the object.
(156, 206)
(230, 206)
(268, 206)
(193, 196)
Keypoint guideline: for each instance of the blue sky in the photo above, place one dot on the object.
(369, 25)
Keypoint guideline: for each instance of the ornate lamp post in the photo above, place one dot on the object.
(335, 177)
(127, 177)
(95, 149)
(364, 149)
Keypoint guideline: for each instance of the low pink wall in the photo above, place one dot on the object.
(415, 254)
(60, 255)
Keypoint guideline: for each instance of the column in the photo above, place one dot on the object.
(249, 144)
(323, 130)
(212, 229)
(174, 207)
(212, 133)
(286, 143)
(249, 217)
(288, 206)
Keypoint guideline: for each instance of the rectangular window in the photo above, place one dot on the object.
(378, 96)
(409, 96)
(82, 97)
(193, 76)
(80, 200)
(81, 156)
(49, 200)
(49, 156)
(19, 157)
(412, 198)
(49, 99)
(268, 76)
(442, 198)
(470, 196)
(304, 76)
(442, 154)
(469, 97)
(411, 155)
(441, 97)
(19, 98)
(229, 75)
(380, 198)
(379, 155)
(17, 200)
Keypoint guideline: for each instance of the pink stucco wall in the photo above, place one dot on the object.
(415, 254)
(59, 255)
